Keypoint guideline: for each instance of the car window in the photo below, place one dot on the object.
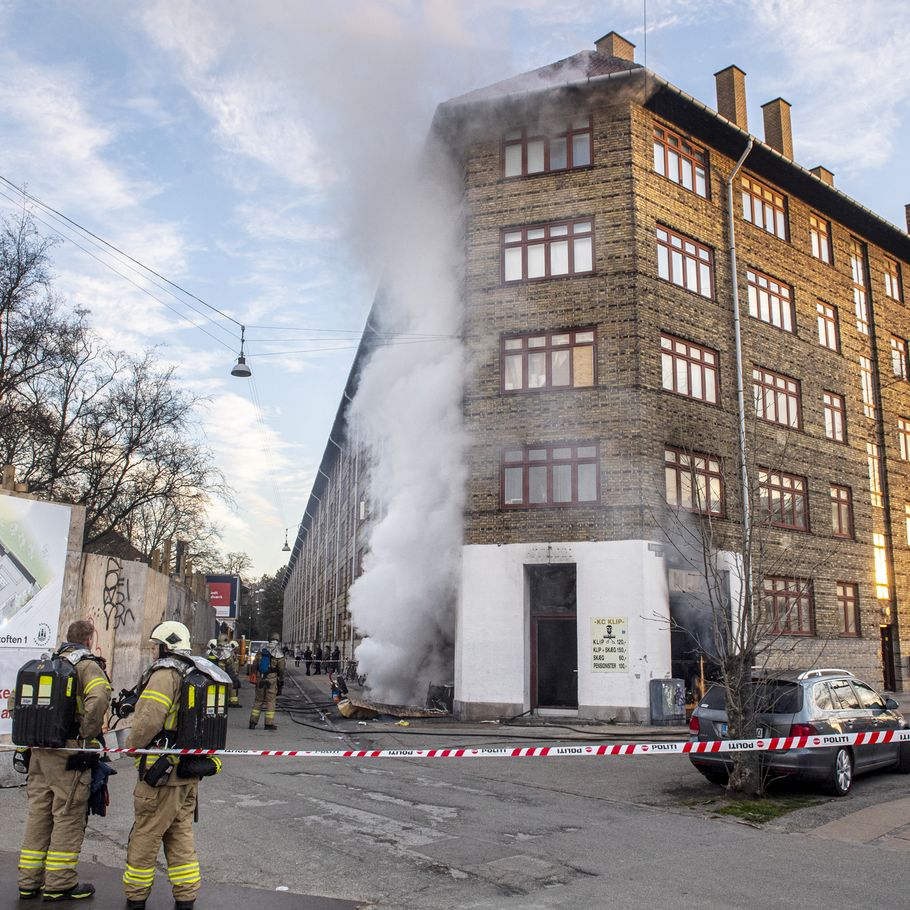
(822, 697)
(869, 698)
(779, 697)
(843, 696)
(715, 699)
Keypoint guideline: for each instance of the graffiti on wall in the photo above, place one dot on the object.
(116, 596)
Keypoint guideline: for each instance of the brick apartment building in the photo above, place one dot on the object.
(602, 403)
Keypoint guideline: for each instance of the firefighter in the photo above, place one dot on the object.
(166, 793)
(233, 670)
(269, 666)
(58, 782)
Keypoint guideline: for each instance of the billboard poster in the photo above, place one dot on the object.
(224, 594)
(33, 539)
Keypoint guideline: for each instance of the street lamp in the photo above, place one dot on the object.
(241, 368)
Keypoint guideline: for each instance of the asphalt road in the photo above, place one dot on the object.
(501, 833)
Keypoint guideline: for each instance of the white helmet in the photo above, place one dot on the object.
(234, 645)
(273, 643)
(175, 636)
(213, 644)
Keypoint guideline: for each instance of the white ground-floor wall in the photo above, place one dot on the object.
(621, 623)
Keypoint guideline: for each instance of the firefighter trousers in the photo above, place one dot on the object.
(164, 815)
(55, 826)
(266, 694)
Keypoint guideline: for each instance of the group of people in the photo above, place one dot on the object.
(226, 657)
(60, 781)
(318, 659)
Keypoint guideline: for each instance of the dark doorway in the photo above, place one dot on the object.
(554, 636)
(889, 677)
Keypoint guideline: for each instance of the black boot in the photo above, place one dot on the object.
(271, 727)
(184, 905)
(253, 724)
(134, 904)
(79, 892)
(26, 894)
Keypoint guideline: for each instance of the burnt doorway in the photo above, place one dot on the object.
(554, 636)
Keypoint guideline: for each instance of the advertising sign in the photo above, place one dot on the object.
(224, 594)
(33, 538)
(609, 645)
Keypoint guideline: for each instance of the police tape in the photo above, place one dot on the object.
(687, 747)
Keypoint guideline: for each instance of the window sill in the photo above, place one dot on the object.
(518, 178)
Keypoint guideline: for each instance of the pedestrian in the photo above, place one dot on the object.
(336, 658)
(270, 672)
(317, 660)
(59, 781)
(297, 656)
(307, 659)
(166, 794)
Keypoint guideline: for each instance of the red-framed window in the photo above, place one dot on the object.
(875, 474)
(835, 411)
(550, 475)
(548, 251)
(820, 237)
(857, 272)
(848, 609)
(903, 437)
(776, 398)
(790, 604)
(549, 360)
(526, 152)
(865, 376)
(770, 300)
(688, 369)
(841, 511)
(893, 284)
(679, 160)
(685, 262)
(764, 207)
(828, 331)
(783, 499)
(899, 357)
(694, 481)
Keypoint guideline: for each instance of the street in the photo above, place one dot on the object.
(489, 833)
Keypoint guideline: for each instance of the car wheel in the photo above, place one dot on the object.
(716, 777)
(903, 759)
(840, 780)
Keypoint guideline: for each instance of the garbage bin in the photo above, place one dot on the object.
(668, 702)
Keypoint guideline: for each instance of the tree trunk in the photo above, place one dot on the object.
(746, 778)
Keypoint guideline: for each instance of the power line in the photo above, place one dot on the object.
(348, 347)
(355, 332)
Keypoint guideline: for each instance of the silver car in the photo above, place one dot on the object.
(806, 704)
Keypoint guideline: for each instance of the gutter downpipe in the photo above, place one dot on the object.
(740, 393)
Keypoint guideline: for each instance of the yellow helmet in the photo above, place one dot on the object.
(175, 636)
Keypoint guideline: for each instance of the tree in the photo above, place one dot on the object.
(236, 563)
(267, 609)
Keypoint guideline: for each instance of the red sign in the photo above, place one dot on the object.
(220, 595)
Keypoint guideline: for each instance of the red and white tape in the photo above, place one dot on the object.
(771, 744)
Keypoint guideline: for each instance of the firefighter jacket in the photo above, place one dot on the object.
(276, 665)
(93, 689)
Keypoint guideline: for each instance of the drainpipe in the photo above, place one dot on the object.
(740, 394)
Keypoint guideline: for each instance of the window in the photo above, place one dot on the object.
(694, 481)
(790, 605)
(820, 237)
(882, 589)
(770, 300)
(678, 160)
(859, 286)
(550, 360)
(685, 262)
(688, 369)
(843, 697)
(865, 375)
(893, 285)
(841, 511)
(550, 475)
(869, 699)
(899, 357)
(835, 416)
(875, 474)
(776, 398)
(764, 207)
(525, 153)
(903, 436)
(783, 500)
(828, 335)
(564, 248)
(848, 608)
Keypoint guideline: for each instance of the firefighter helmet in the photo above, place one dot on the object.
(234, 645)
(213, 644)
(175, 636)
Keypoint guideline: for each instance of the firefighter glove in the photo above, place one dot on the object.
(99, 798)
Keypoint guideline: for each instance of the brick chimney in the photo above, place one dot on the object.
(823, 174)
(613, 45)
(731, 95)
(777, 126)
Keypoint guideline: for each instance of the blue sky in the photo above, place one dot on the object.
(250, 152)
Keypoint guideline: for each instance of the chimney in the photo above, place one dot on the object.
(777, 126)
(823, 174)
(907, 216)
(613, 45)
(731, 95)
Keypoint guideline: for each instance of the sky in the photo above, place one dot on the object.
(250, 153)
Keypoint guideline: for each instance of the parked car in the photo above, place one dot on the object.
(805, 704)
